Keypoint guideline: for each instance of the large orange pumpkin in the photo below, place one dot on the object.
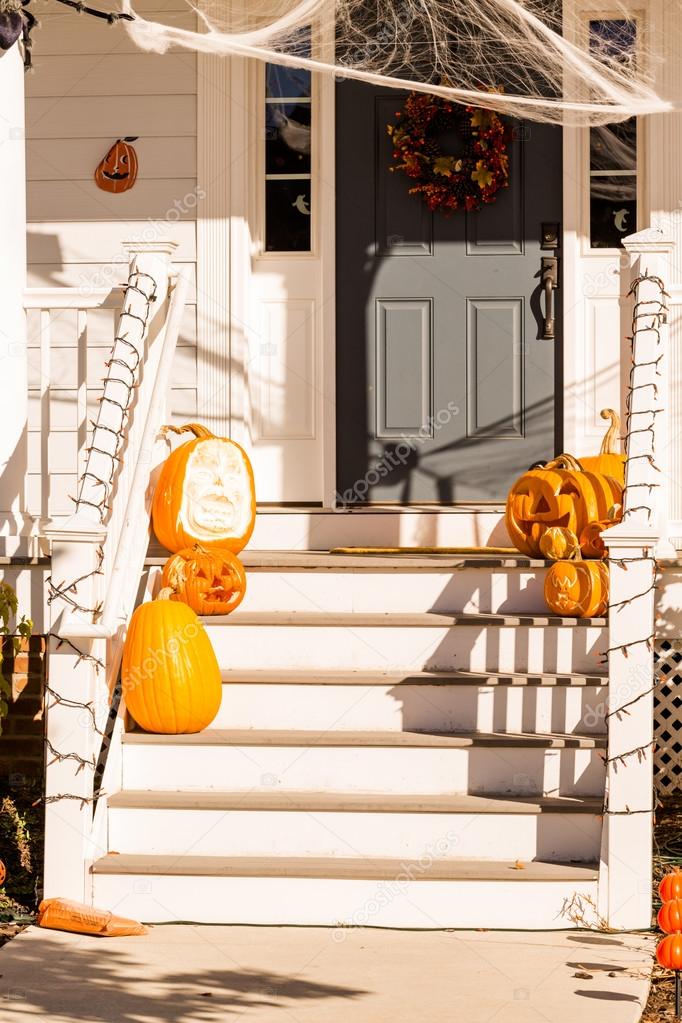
(670, 886)
(169, 674)
(577, 589)
(205, 494)
(610, 461)
(117, 172)
(669, 952)
(558, 494)
(212, 582)
(670, 916)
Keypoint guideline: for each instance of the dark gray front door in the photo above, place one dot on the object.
(445, 390)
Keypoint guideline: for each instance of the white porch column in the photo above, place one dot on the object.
(625, 878)
(13, 360)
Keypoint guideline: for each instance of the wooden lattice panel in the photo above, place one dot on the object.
(668, 716)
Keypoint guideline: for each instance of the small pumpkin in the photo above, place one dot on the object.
(670, 886)
(558, 543)
(117, 172)
(610, 461)
(205, 494)
(169, 672)
(591, 541)
(577, 589)
(669, 952)
(211, 582)
(559, 494)
(670, 916)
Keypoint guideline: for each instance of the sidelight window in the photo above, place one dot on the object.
(613, 149)
(288, 167)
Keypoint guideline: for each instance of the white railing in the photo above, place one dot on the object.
(633, 545)
(97, 561)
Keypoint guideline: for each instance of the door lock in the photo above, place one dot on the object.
(549, 281)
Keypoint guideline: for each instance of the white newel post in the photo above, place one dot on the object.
(73, 732)
(13, 356)
(625, 881)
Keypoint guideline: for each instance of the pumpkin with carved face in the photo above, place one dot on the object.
(558, 494)
(205, 494)
(577, 589)
(117, 172)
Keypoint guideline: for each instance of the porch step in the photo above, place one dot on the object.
(417, 701)
(426, 641)
(320, 581)
(353, 824)
(382, 762)
(338, 892)
(396, 620)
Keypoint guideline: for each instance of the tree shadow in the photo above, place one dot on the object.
(104, 981)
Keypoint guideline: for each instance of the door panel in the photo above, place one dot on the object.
(445, 390)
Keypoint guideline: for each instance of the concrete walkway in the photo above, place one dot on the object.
(179, 973)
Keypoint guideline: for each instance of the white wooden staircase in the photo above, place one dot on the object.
(403, 741)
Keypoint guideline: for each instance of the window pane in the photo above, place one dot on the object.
(286, 81)
(614, 38)
(613, 210)
(287, 216)
(614, 146)
(287, 138)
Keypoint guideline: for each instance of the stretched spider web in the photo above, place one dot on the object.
(513, 56)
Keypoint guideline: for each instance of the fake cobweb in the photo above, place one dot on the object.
(514, 56)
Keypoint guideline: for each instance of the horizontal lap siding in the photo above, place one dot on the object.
(92, 85)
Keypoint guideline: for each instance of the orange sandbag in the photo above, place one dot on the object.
(64, 915)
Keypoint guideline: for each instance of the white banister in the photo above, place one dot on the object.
(97, 560)
(625, 878)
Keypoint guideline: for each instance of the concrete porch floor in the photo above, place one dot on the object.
(179, 973)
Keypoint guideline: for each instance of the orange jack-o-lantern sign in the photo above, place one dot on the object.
(558, 494)
(670, 916)
(671, 886)
(669, 952)
(117, 172)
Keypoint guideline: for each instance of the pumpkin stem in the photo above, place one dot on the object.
(199, 431)
(166, 593)
(611, 441)
(565, 461)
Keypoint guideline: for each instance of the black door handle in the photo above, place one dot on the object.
(549, 280)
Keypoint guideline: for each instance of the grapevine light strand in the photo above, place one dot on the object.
(67, 592)
(654, 312)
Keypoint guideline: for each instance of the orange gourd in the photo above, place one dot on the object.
(669, 952)
(558, 494)
(670, 886)
(558, 543)
(610, 461)
(591, 541)
(117, 172)
(670, 916)
(205, 494)
(577, 589)
(211, 582)
(169, 673)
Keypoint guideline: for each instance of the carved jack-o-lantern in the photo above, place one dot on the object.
(117, 172)
(559, 494)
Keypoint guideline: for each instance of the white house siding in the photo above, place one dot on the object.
(91, 85)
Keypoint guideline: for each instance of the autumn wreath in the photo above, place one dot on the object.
(447, 183)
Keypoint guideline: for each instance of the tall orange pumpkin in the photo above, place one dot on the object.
(558, 494)
(169, 673)
(577, 589)
(205, 494)
(610, 461)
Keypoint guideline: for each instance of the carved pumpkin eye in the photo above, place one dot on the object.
(570, 490)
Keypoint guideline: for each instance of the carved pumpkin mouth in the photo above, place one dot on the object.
(563, 520)
(114, 176)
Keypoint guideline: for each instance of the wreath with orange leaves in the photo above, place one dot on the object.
(445, 182)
